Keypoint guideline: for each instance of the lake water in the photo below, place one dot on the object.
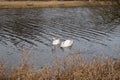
(94, 31)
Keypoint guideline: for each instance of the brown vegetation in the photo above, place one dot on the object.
(73, 67)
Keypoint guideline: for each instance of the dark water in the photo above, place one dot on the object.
(94, 31)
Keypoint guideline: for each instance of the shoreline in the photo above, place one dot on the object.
(51, 4)
(72, 67)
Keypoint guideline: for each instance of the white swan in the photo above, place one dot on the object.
(66, 43)
(55, 41)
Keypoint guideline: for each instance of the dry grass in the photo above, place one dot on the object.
(73, 67)
(43, 4)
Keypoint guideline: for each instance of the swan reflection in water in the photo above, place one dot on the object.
(55, 42)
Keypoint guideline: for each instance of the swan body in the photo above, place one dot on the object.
(55, 41)
(66, 43)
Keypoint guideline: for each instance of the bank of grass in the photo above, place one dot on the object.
(72, 67)
(46, 4)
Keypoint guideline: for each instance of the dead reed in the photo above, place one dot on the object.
(72, 67)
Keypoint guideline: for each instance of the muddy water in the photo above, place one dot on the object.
(94, 31)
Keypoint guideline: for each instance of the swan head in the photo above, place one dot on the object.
(53, 38)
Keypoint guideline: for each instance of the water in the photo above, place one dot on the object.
(94, 31)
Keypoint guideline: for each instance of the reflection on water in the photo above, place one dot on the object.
(94, 30)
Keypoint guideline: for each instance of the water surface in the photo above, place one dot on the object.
(94, 31)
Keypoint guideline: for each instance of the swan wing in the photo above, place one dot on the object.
(67, 43)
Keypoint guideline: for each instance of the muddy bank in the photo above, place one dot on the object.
(46, 4)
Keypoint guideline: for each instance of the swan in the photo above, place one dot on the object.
(55, 41)
(66, 43)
